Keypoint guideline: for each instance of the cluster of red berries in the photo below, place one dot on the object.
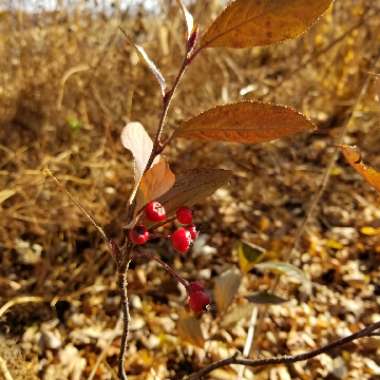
(181, 238)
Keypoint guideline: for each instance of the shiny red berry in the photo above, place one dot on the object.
(193, 231)
(184, 215)
(155, 211)
(139, 235)
(198, 300)
(181, 240)
(195, 286)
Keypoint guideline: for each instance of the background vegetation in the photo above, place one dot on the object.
(69, 83)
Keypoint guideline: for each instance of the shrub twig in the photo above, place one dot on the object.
(287, 359)
(123, 287)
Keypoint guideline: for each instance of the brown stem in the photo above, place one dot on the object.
(124, 303)
(324, 181)
(167, 100)
(286, 359)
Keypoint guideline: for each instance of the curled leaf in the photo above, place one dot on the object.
(249, 23)
(353, 157)
(226, 287)
(188, 18)
(151, 65)
(192, 187)
(265, 298)
(245, 122)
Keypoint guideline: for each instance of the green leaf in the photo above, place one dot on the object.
(74, 124)
(265, 298)
(287, 269)
(249, 255)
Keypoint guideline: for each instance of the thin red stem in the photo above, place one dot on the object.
(166, 267)
(165, 109)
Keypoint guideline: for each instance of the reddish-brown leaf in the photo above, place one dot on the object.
(155, 182)
(248, 23)
(353, 156)
(245, 122)
(192, 187)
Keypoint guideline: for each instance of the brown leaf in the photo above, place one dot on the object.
(192, 187)
(248, 23)
(245, 122)
(353, 156)
(189, 329)
(155, 182)
(226, 287)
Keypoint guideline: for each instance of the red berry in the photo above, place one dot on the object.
(139, 235)
(198, 300)
(193, 231)
(181, 240)
(184, 215)
(155, 211)
(194, 287)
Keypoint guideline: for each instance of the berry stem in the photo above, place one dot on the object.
(163, 223)
(167, 100)
(166, 267)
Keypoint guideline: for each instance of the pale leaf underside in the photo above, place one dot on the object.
(135, 138)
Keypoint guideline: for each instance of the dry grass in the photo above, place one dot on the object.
(69, 83)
